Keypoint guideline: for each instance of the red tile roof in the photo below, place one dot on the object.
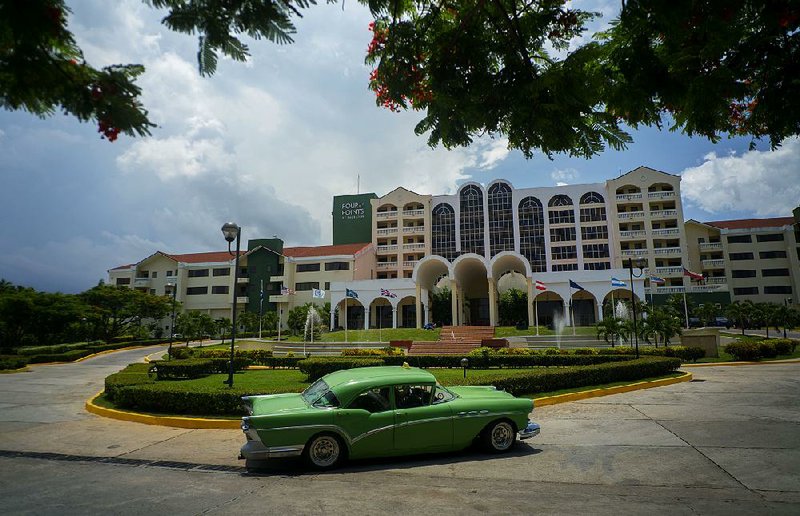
(213, 256)
(324, 250)
(774, 222)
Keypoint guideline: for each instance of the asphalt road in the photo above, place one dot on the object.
(727, 444)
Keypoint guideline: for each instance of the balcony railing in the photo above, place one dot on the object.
(634, 252)
(667, 250)
(387, 265)
(628, 196)
(242, 299)
(386, 214)
(414, 229)
(141, 282)
(387, 231)
(718, 263)
(413, 247)
(710, 246)
(669, 271)
(387, 248)
(666, 232)
(638, 233)
(689, 290)
(663, 214)
(410, 265)
(413, 213)
(717, 281)
(660, 195)
(628, 215)
(243, 280)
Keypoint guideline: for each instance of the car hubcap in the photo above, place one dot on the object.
(502, 436)
(324, 451)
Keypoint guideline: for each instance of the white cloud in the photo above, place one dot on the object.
(564, 177)
(766, 183)
(492, 152)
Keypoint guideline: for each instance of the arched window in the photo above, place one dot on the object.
(531, 233)
(501, 218)
(560, 200)
(592, 198)
(471, 220)
(443, 231)
(596, 213)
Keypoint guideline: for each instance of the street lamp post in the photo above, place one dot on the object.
(640, 266)
(174, 287)
(233, 232)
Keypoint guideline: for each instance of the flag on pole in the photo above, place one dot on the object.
(617, 283)
(657, 281)
(540, 285)
(261, 294)
(693, 275)
(351, 293)
(388, 293)
(318, 294)
(574, 285)
(286, 291)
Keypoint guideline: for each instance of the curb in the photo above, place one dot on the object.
(735, 364)
(174, 421)
(231, 424)
(596, 393)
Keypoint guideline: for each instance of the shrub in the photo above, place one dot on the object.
(767, 349)
(783, 346)
(11, 362)
(68, 356)
(316, 368)
(51, 350)
(361, 352)
(685, 353)
(553, 379)
(134, 374)
(744, 350)
(585, 351)
(196, 367)
(485, 360)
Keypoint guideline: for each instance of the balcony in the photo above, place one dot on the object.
(141, 282)
(713, 264)
(628, 235)
(711, 246)
(667, 251)
(630, 215)
(413, 229)
(410, 265)
(717, 281)
(633, 252)
(666, 232)
(280, 298)
(413, 213)
(688, 290)
(386, 214)
(669, 271)
(661, 195)
(663, 214)
(413, 247)
(280, 278)
(629, 197)
(386, 231)
(387, 248)
(244, 280)
(242, 300)
(386, 265)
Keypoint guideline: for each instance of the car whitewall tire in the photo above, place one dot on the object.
(323, 451)
(499, 437)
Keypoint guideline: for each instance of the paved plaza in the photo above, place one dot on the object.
(726, 443)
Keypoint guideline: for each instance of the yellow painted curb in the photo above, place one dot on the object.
(174, 421)
(596, 393)
(734, 364)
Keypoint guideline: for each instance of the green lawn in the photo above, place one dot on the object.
(375, 335)
(511, 331)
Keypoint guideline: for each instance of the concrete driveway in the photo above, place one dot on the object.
(725, 444)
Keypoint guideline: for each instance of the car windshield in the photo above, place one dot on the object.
(442, 395)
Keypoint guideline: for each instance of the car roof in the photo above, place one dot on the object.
(352, 381)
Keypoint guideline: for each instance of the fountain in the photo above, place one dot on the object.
(312, 321)
(558, 325)
(621, 312)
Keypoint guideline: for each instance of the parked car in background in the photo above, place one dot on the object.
(722, 322)
(695, 322)
(381, 412)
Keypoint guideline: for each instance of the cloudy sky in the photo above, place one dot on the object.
(269, 142)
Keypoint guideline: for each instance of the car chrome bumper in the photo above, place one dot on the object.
(531, 430)
(255, 450)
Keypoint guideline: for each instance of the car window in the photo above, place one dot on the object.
(410, 396)
(328, 399)
(315, 390)
(442, 395)
(373, 400)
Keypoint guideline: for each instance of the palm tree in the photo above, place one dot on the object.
(740, 312)
(767, 313)
(609, 330)
(223, 327)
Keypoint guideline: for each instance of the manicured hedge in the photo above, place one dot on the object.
(370, 352)
(11, 362)
(256, 356)
(750, 350)
(316, 368)
(489, 360)
(552, 379)
(196, 367)
(683, 352)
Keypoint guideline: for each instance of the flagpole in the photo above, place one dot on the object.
(260, 308)
(572, 309)
(536, 313)
(280, 313)
(345, 316)
(685, 309)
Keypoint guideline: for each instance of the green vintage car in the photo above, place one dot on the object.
(379, 412)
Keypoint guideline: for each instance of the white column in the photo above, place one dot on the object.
(492, 303)
(394, 317)
(454, 303)
(427, 313)
(418, 302)
(531, 316)
(366, 318)
(333, 316)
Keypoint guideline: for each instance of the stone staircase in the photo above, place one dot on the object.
(454, 340)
